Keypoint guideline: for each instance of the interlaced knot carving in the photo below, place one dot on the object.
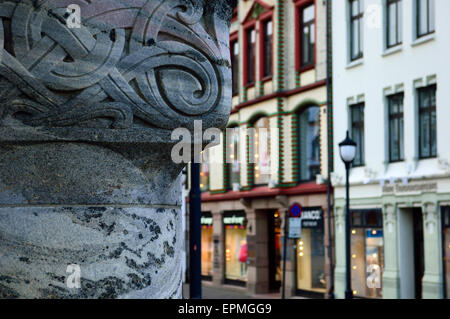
(161, 63)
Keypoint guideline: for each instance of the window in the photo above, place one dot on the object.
(251, 56)
(446, 238)
(367, 256)
(395, 106)
(425, 17)
(235, 66)
(233, 157)
(307, 35)
(267, 48)
(207, 245)
(235, 247)
(357, 129)
(261, 151)
(309, 143)
(204, 176)
(356, 29)
(311, 252)
(427, 122)
(394, 22)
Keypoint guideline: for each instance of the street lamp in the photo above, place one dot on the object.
(347, 150)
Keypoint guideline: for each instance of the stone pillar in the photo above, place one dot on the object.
(390, 275)
(258, 254)
(87, 178)
(291, 263)
(432, 282)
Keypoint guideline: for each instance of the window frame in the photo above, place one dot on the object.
(252, 149)
(234, 38)
(299, 137)
(229, 166)
(399, 27)
(361, 125)
(419, 35)
(399, 116)
(352, 19)
(445, 210)
(430, 109)
(263, 19)
(300, 5)
(248, 27)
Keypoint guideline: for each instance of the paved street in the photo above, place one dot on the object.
(228, 292)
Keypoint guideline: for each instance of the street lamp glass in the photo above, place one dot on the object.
(347, 148)
(348, 153)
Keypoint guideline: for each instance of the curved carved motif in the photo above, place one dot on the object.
(164, 62)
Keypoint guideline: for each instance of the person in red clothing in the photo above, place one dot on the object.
(243, 257)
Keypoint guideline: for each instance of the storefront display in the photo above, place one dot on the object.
(235, 247)
(446, 253)
(367, 254)
(311, 253)
(207, 245)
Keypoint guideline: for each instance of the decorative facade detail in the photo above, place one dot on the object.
(157, 63)
(389, 217)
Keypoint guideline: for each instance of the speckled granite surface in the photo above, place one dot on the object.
(86, 116)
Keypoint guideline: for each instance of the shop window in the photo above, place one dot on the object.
(235, 247)
(394, 23)
(235, 66)
(233, 158)
(395, 105)
(425, 17)
(260, 149)
(356, 29)
(311, 253)
(357, 129)
(367, 253)
(207, 245)
(309, 143)
(446, 250)
(427, 122)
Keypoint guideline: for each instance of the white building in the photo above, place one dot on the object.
(391, 90)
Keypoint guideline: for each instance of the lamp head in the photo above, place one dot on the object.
(347, 150)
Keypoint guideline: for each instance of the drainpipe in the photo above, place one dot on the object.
(330, 293)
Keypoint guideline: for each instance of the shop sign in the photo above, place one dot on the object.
(312, 218)
(206, 220)
(410, 188)
(234, 220)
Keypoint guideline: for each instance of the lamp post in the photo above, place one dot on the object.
(347, 150)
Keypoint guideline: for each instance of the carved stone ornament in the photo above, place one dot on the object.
(90, 93)
(157, 63)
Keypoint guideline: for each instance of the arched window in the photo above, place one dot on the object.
(233, 158)
(260, 143)
(309, 143)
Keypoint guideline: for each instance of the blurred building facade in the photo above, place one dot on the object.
(273, 154)
(390, 84)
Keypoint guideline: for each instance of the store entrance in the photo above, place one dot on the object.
(274, 242)
(418, 251)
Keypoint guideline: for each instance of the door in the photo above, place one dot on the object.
(275, 273)
(419, 264)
